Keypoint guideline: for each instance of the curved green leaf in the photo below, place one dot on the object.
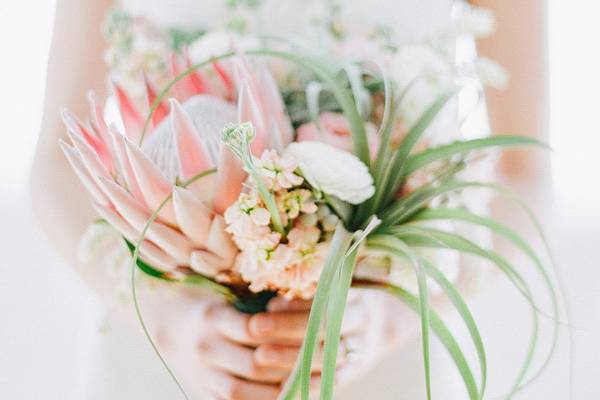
(445, 152)
(515, 239)
(459, 304)
(446, 338)
(399, 248)
(301, 374)
(335, 315)
(395, 170)
(430, 237)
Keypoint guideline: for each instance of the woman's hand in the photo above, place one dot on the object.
(250, 356)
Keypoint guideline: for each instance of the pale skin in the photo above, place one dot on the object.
(250, 356)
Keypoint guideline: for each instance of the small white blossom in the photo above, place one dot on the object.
(333, 171)
(491, 73)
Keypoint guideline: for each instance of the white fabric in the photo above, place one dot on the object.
(412, 19)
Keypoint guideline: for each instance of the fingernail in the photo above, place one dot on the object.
(261, 324)
(264, 356)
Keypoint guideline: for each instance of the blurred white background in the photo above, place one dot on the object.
(44, 305)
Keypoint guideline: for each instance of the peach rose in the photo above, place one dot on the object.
(335, 131)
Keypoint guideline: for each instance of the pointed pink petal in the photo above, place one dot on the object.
(132, 119)
(79, 128)
(154, 186)
(162, 110)
(88, 182)
(149, 252)
(185, 88)
(219, 241)
(190, 150)
(193, 216)
(198, 78)
(174, 243)
(231, 172)
(207, 263)
(248, 110)
(89, 157)
(242, 72)
(124, 164)
(273, 102)
(131, 210)
(97, 118)
(225, 78)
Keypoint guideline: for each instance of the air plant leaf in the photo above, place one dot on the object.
(333, 264)
(447, 151)
(459, 304)
(335, 314)
(395, 167)
(507, 233)
(429, 237)
(398, 247)
(446, 338)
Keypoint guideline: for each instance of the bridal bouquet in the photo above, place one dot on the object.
(264, 171)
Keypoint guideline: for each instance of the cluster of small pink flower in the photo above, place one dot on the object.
(289, 262)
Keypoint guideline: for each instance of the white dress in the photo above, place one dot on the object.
(119, 363)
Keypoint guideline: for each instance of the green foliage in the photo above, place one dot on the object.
(181, 38)
(401, 231)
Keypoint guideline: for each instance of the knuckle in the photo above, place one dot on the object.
(262, 324)
(236, 389)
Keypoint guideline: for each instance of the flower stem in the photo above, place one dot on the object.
(238, 137)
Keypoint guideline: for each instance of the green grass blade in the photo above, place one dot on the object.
(446, 338)
(395, 170)
(335, 315)
(399, 248)
(429, 237)
(459, 304)
(301, 374)
(421, 236)
(561, 285)
(385, 130)
(444, 152)
(404, 208)
(517, 241)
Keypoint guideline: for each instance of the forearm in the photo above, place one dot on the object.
(520, 45)
(75, 65)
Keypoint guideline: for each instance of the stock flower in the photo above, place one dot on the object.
(333, 171)
(293, 202)
(278, 172)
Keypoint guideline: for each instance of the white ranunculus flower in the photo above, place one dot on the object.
(333, 171)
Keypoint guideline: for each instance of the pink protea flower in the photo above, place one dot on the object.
(334, 130)
(128, 181)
